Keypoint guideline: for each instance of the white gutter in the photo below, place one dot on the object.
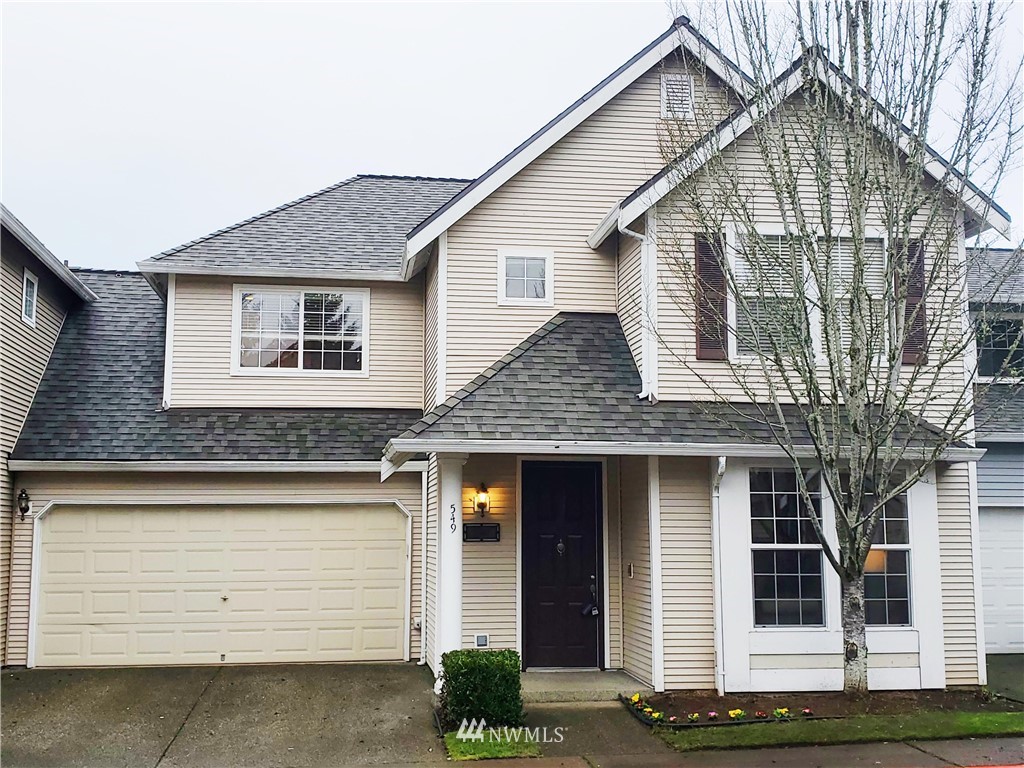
(35, 246)
(408, 447)
(27, 465)
(158, 268)
(423, 569)
(647, 361)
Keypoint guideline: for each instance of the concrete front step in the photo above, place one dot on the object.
(572, 685)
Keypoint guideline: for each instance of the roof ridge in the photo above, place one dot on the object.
(411, 178)
(496, 367)
(103, 270)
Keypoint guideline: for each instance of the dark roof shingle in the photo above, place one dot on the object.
(100, 399)
(355, 227)
(999, 410)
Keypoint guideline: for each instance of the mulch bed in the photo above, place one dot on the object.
(681, 703)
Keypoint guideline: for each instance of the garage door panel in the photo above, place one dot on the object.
(1002, 578)
(142, 590)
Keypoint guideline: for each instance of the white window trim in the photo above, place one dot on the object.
(732, 252)
(908, 548)
(668, 114)
(236, 333)
(549, 276)
(30, 278)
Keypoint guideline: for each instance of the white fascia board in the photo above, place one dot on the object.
(35, 246)
(156, 267)
(935, 168)
(629, 448)
(24, 465)
(680, 36)
(610, 223)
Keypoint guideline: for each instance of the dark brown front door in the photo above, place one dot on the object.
(562, 612)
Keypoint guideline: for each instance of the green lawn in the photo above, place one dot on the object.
(913, 726)
(459, 749)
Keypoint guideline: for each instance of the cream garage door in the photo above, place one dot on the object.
(1002, 578)
(140, 585)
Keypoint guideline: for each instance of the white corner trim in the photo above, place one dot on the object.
(979, 612)
(657, 596)
(38, 517)
(718, 466)
(25, 465)
(169, 342)
(448, 632)
(423, 568)
(441, 347)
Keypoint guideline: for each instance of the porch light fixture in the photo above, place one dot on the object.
(24, 503)
(482, 500)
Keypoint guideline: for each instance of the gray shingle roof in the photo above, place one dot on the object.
(999, 410)
(352, 228)
(995, 275)
(575, 379)
(100, 396)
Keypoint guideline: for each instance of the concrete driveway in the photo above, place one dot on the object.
(1006, 674)
(221, 717)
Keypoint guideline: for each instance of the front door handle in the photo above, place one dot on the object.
(560, 547)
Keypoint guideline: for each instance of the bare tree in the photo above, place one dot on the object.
(817, 241)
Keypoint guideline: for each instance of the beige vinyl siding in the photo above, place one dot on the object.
(956, 562)
(614, 569)
(629, 294)
(177, 488)
(636, 551)
(429, 620)
(430, 335)
(202, 352)
(688, 578)
(489, 567)
(681, 375)
(554, 203)
(24, 353)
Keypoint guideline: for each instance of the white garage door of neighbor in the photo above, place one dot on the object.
(139, 585)
(1002, 578)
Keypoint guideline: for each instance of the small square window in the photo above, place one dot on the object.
(525, 277)
(29, 298)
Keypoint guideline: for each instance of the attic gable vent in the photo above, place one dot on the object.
(677, 96)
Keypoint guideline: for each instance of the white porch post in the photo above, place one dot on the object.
(449, 556)
(657, 593)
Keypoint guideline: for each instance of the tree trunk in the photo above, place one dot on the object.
(855, 646)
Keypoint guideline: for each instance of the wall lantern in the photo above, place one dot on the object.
(482, 500)
(24, 503)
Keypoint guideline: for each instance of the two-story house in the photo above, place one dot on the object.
(405, 415)
(37, 291)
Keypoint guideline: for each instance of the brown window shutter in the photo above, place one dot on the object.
(712, 330)
(915, 342)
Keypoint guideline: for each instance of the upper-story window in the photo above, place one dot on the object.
(1001, 347)
(769, 300)
(525, 276)
(29, 298)
(677, 96)
(292, 330)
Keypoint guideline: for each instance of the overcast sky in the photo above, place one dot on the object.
(130, 128)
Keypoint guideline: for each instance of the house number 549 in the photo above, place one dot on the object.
(452, 519)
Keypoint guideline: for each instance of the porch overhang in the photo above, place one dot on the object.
(399, 451)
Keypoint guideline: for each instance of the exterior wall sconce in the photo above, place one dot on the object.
(482, 500)
(24, 503)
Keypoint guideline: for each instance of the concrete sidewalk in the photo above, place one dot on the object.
(927, 754)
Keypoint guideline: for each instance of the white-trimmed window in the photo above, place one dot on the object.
(786, 556)
(770, 296)
(887, 569)
(29, 298)
(677, 96)
(526, 276)
(289, 330)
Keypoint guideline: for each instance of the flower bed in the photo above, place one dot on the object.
(650, 716)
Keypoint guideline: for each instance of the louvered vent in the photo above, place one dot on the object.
(677, 97)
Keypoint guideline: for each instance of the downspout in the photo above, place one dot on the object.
(716, 565)
(647, 387)
(423, 569)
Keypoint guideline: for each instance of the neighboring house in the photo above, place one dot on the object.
(36, 292)
(204, 455)
(999, 405)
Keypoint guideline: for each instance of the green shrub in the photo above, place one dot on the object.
(483, 684)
